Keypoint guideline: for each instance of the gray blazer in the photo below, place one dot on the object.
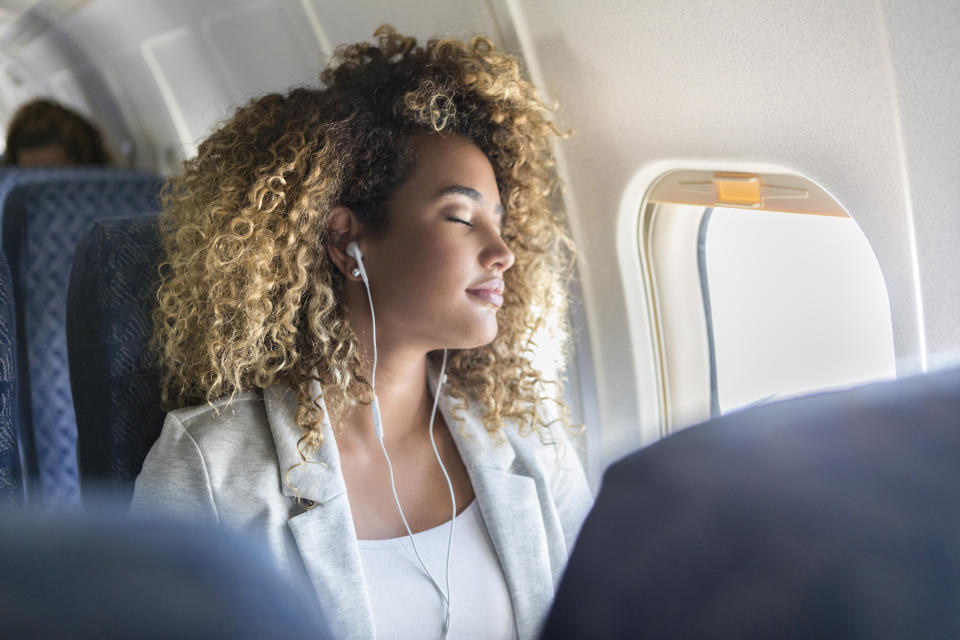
(228, 462)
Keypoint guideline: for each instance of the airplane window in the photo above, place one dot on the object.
(795, 303)
(759, 287)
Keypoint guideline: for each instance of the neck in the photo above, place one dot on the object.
(401, 383)
(401, 387)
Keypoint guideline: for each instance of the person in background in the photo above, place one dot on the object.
(44, 133)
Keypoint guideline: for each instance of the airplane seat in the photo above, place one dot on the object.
(116, 387)
(831, 516)
(103, 575)
(44, 212)
(11, 480)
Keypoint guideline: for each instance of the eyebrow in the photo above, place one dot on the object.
(473, 194)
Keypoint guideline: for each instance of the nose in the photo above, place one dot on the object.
(497, 254)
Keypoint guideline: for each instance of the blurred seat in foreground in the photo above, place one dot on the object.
(832, 516)
(104, 576)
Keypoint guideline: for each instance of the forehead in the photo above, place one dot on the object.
(445, 160)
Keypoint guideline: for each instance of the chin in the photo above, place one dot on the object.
(464, 331)
(478, 338)
(489, 335)
(477, 344)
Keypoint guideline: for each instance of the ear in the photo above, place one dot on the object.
(342, 228)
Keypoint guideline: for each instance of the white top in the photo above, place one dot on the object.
(405, 603)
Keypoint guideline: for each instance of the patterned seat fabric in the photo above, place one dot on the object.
(115, 384)
(11, 484)
(44, 214)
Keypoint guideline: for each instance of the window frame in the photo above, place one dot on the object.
(683, 350)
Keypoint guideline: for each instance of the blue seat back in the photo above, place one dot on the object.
(115, 383)
(103, 575)
(11, 483)
(831, 516)
(44, 214)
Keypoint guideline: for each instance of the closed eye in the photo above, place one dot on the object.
(460, 220)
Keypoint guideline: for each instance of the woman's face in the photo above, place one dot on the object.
(436, 276)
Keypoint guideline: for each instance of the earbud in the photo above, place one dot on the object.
(354, 251)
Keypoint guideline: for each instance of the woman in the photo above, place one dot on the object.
(339, 249)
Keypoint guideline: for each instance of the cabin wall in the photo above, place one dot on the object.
(925, 56)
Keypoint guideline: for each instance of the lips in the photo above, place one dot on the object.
(490, 291)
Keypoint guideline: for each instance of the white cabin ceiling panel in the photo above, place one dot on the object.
(182, 66)
(17, 83)
(356, 21)
(108, 25)
(68, 91)
(15, 89)
(157, 140)
(41, 58)
(98, 88)
(263, 47)
(112, 25)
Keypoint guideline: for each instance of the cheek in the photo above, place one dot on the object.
(429, 262)
(423, 289)
(443, 273)
(422, 276)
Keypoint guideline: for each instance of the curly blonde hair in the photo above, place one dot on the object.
(249, 296)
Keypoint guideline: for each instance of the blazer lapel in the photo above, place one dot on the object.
(511, 511)
(510, 506)
(324, 534)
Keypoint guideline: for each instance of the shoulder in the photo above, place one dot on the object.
(547, 454)
(224, 426)
(224, 411)
(550, 455)
(551, 449)
(206, 452)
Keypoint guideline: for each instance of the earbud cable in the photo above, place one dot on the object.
(378, 429)
(453, 499)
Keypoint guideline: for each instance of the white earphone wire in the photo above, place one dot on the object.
(453, 499)
(373, 322)
(378, 429)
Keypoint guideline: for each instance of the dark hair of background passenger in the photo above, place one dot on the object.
(41, 123)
